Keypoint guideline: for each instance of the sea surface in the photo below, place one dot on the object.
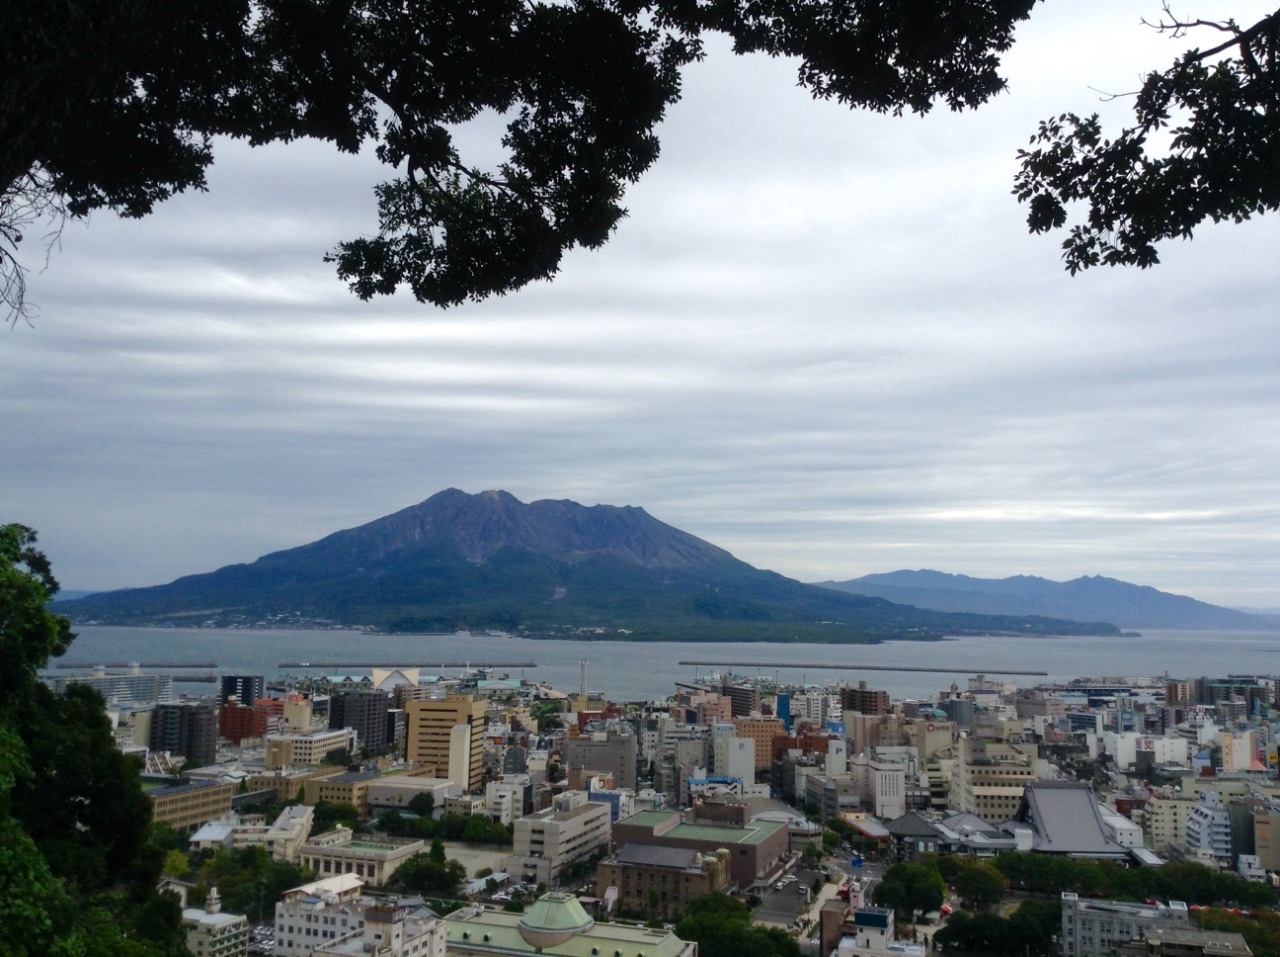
(634, 671)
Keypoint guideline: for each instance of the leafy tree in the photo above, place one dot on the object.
(1029, 930)
(113, 105)
(1201, 146)
(423, 804)
(436, 854)
(722, 927)
(909, 888)
(176, 864)
(329, 814)
(247, 879)
(395, 823)
(979, 886)
(476, 830)
(422, 874)
(63, 892)
(1260, 931)
(339, 756)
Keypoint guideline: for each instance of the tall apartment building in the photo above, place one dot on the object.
(447, 734)
(244, 688)
(988, 779)
(864, 700)
(1208, 834)
(125, 689)
(744, 698)
(366, 711)
(186, 729)
(762, 731)
(612, 751)
(237, 722)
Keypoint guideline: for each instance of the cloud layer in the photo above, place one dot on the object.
(821, 339)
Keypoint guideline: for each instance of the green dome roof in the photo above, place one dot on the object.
(553, 919)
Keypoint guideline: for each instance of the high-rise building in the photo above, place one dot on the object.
(614, 751)
(430, 738)
(366, 711)
(744, 698)
(864, 700)
(187, 729)
(237, 722)
(244, 688)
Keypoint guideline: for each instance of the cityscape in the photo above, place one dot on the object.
(432, 813)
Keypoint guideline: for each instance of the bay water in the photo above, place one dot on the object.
(640, 671)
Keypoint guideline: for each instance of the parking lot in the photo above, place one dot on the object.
(779, 906)
(262, 939)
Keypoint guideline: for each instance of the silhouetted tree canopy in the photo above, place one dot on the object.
(1203, 145)
(115, 104)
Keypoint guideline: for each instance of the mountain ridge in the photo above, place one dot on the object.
(1087, 597)
(552, 568)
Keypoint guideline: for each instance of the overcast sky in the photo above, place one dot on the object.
(822, 340)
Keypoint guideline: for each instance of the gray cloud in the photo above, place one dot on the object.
(822, 340)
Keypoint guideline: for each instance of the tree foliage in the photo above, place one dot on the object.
(77, 868)
(1261, 931)
(1030, 930)
(721, 926)
(426, 874)
(115, 104)
(911, 888)
(1190, 882)
(979, 886)
(248, 879)
(1202, 147)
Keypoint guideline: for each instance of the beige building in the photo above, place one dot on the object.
(762, 731)
(352, 788)
(447, 735)
(396, 791)
(184, 807)
(1164, 821)
(309, 748)
(287, 782)
(211, 933)
(988, 778)
(372, 858)
(544, 842)
(670, 876)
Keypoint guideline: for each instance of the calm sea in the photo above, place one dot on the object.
(628, 671)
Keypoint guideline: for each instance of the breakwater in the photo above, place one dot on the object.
(940, 669)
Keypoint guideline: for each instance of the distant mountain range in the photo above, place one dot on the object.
(1088, 598)
(549, 568)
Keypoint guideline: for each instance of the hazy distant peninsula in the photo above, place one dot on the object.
(1087, 598)
(549, 568)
